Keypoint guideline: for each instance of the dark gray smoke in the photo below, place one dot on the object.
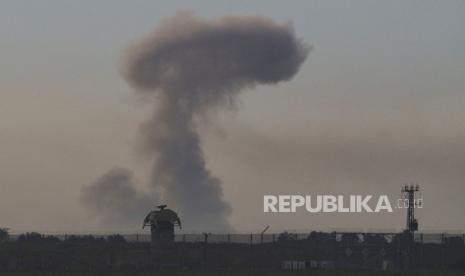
(192, 66)
(114, 197)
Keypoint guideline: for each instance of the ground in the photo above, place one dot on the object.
(242, 273)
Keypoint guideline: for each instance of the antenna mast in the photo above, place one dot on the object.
(409, 193)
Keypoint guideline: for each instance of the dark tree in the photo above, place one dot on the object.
(287, 237)
(34, 237)
(4, 235)
(116, 239)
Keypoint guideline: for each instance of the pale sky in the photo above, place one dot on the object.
(378, 103)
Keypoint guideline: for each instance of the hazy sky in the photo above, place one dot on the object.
(378, 103)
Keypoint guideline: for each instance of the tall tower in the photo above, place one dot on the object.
(162, 223)
(409, 194)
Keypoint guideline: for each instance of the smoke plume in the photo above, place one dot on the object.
(114, 197)
(192, 66)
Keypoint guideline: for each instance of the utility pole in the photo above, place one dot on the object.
(205, 253)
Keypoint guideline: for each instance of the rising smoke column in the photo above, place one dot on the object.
(192, 66)
(114, 197)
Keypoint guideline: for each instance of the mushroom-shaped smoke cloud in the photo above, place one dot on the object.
(191, 66)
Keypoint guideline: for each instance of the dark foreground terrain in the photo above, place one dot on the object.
(242, 273)
(308, 254)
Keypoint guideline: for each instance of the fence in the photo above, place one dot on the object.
(271, 251)
(253, 238)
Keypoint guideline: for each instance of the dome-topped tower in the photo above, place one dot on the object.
(162, 223)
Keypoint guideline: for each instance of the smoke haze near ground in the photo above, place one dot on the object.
(192, 67)
(114, 197)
